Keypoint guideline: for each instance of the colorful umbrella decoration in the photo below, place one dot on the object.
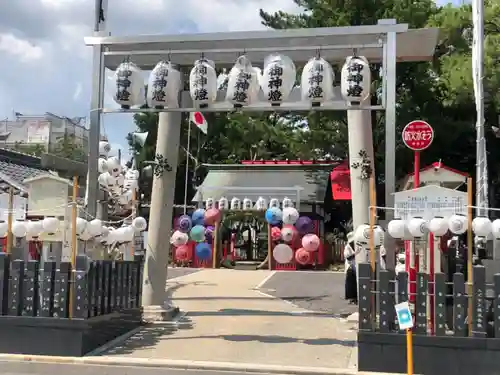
(203, 251)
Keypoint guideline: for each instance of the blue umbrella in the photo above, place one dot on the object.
(198, 217)
(203, 251)
(274, 215)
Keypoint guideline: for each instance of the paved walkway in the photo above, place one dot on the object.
(228, 320)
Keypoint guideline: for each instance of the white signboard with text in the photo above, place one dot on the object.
(19, 212)
(428, 202)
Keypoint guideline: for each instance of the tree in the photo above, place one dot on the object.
(67, 147)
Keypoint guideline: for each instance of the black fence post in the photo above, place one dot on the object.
(439, 304)
(81, 288)
(133, 283)
(16, 290)
(112, 285)
(107, 264)
(460, 305)
(99, 288)
(364, 298)
(47, 289)
(386, 301)
(4, 282)
(479, 302)
(496, 304)
(92, 289)
(126, 285)
(119, 284)
(140, 269)
(61, 290)
(421, 304)
(402, 286)
(30, 292)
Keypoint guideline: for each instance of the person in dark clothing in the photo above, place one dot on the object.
(351, 285)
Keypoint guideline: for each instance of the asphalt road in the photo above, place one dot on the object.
(318, 291)
(27, 368)
(174, 272)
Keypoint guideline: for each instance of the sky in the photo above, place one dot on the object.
(46, 67)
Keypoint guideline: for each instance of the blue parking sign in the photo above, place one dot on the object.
(403, 314)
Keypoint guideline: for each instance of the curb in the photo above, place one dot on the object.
(183, 365)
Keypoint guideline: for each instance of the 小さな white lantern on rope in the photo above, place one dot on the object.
(235, 204)
(223, 203)
(114, 166)
(241, 84)
(50, 224)
(316, 82)
(203, 83)
(457, 224)
(19, 228)
(355, 79)
(290, 215)
(81, 224)
(495, 228)
(33, 228)
(102, 165)
(362, 235)
(287, 202)
(4, 226)
(85, 235)
(274, 203)
(129, 89)
(438, 226)
(278, 78)
(104, 149)
(397, 228)
(209, 203)
(139, 224)
(164, 84)
(261, 204)
(379, 236)
(417, 227)
(94, 227)
(247, 204)
(481, 226)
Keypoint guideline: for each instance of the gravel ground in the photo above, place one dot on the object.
(316, 291)
(172, 273)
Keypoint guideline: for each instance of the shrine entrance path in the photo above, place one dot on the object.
(227, 319)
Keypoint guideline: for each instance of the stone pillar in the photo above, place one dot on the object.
(360, 140)
(156, 306)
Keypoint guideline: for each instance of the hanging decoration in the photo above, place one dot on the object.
(203, 251)
(179, 238)
(164, 84)
(212, 216)
(247, 204)
(242, 79)
(203, 83)
(223, 204)
(209, 203)
(481, 226)
(457, 224)
(273, 216)
(184, 224)
(104, 149)
(197, 233)
(235, 204)
(355, 79)
(3, 228)
(288, 233)
(278, 78)
(129, 89)
(275, 233)
(198, 217)
(282, 253)
(310, 242)
(182, 253)
(274, 203)
(317, 81)
(304, 225)
(222, 80)
(290, 215)
(261, 204)
(287, 202)
(438, 226)
(303, 257)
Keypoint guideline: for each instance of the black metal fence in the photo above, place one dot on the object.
(43, 289)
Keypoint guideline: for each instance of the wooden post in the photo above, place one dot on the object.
(10, 208)
(74, 244)
(470, 244)
(269, 247)
(215, 246)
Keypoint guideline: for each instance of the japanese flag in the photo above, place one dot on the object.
(199, 120)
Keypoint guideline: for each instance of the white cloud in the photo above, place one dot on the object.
(78, 91)
(20, 48)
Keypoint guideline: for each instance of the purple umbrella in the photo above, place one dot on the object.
(304, 225)
(184, 223)
(209, 232)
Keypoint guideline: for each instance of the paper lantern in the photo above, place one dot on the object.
(197, 233)
(362, 235)
(139, 224)
(235, 204)
(457, 224)
(282, 253)
(290, 215)
(121, 235)
(304, 225)
(288, 233)
(438, 226)
(102, 165)
(481, 226)
(203, 251)
(303, 257)
(212, 216)
(198, 217)
(129, 85)
(184, 223)
(106, 181)
(203, 83)
(222, 80)
(287, 202)
(81, 224)
(495, 228)
(261, 204)
(242, 80)
(119, 182)
(317, 81)
(164, 84)
(50, 224)
(182, 253)
(104, 149)
(379, 236)
(247, 204)
(114, 166)
(3, 228)
(179, 238)
(19, 228)
(397, 228)
(310, 242)
(94, 227)
(86, 235)
(355, 79)
(33, 228)
(273, 215)
(274, 203)
(278, 78)
(223, 203)
(209, 203)
(275, 233)
(417, 227)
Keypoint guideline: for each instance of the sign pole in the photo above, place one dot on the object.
(416, 173)
(469, 251)
(409, 352)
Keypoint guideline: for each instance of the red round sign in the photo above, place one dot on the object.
(418, 135)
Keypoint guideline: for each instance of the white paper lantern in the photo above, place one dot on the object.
(362, 235)
(287, 202)
(396, 228)
(179, 238)
(235, 204)
(50, 224)
(33, 228)
(104, 149)
(85, 235)
(481, 226)
(139, 224)
(278, 78)
(209, 203)
(261, 204)
(241, 83)
(255, 84)
(379, 235)
(3, 228)
(94, 227)
(438, 226)
(129, 85)
(222, 80)
(223, 203)
(164, 84)
(19, 228)
(274, 203)
(81, 224)
(102, 165)
(203, 83)
(457, 224)
(120, 181)
(282, 253)
(495, 229)
(317, 80)
(128, 233)
(355, 79)
(290, 215)
(106, 181)
(114, 166)
(247, 204)
(417, 227)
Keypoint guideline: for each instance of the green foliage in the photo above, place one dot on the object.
(68, 148)
(31, 149)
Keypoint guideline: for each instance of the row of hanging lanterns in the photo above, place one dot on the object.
(243, 83)
(247, 204)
